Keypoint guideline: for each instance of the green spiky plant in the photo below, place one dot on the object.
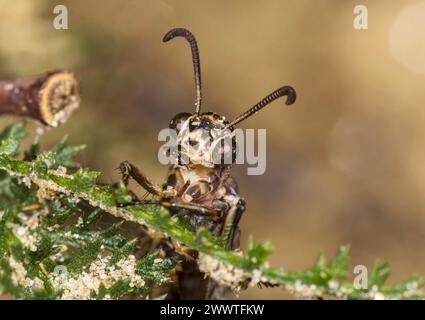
(54, 246)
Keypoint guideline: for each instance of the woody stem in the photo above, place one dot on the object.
(49, 98)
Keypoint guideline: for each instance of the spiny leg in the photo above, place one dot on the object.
(128, 171)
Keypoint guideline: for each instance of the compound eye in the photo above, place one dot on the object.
(224, 152)
(178, 120)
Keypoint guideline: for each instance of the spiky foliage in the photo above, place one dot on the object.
(50, 244)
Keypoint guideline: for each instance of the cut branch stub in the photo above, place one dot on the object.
(49, 98)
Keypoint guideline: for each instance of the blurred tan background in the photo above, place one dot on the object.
(344, 165)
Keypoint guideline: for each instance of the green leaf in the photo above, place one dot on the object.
(103, 291)
(88, 253)
(11, 137)
(7, 285)
(150, 269)
(338, 265)
(91, 218)
(119, 288)
(204, 238)
(62, 154)
(258, 254)
(44, 248)
(124, 251)
(379, 274)
(85, 179)
(121, 193)
(57, 214)
(320, 261)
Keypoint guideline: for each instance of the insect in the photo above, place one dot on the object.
(199, 187)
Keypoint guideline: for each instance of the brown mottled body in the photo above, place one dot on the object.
(209, 188)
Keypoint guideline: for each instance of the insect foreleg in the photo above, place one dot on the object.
(128, 171)
(138, 203)
(193, 208)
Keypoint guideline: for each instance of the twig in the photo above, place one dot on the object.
(49, 98)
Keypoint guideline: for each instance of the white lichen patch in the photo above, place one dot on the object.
(63, 115)
(19, 276)
(80, 222)
(45, 194)
(59, 257)
(228, 274)
(26, 230)
(29, 221)
(306, 291)
(374, 293)
(19, 272)
(60, 171)
(100, 272)
(49, 188)
(333, 284)
(35, 283)
(221, 272)
(27, 182)
(39, 131)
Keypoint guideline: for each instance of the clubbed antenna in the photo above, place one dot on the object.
(182, 32)
(283, 91)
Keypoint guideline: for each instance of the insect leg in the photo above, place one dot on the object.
(128, 171)
(196, 209)
(230, 228)
(138, 203)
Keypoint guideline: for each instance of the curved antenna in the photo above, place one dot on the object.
(283, 91)
(182, 32)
